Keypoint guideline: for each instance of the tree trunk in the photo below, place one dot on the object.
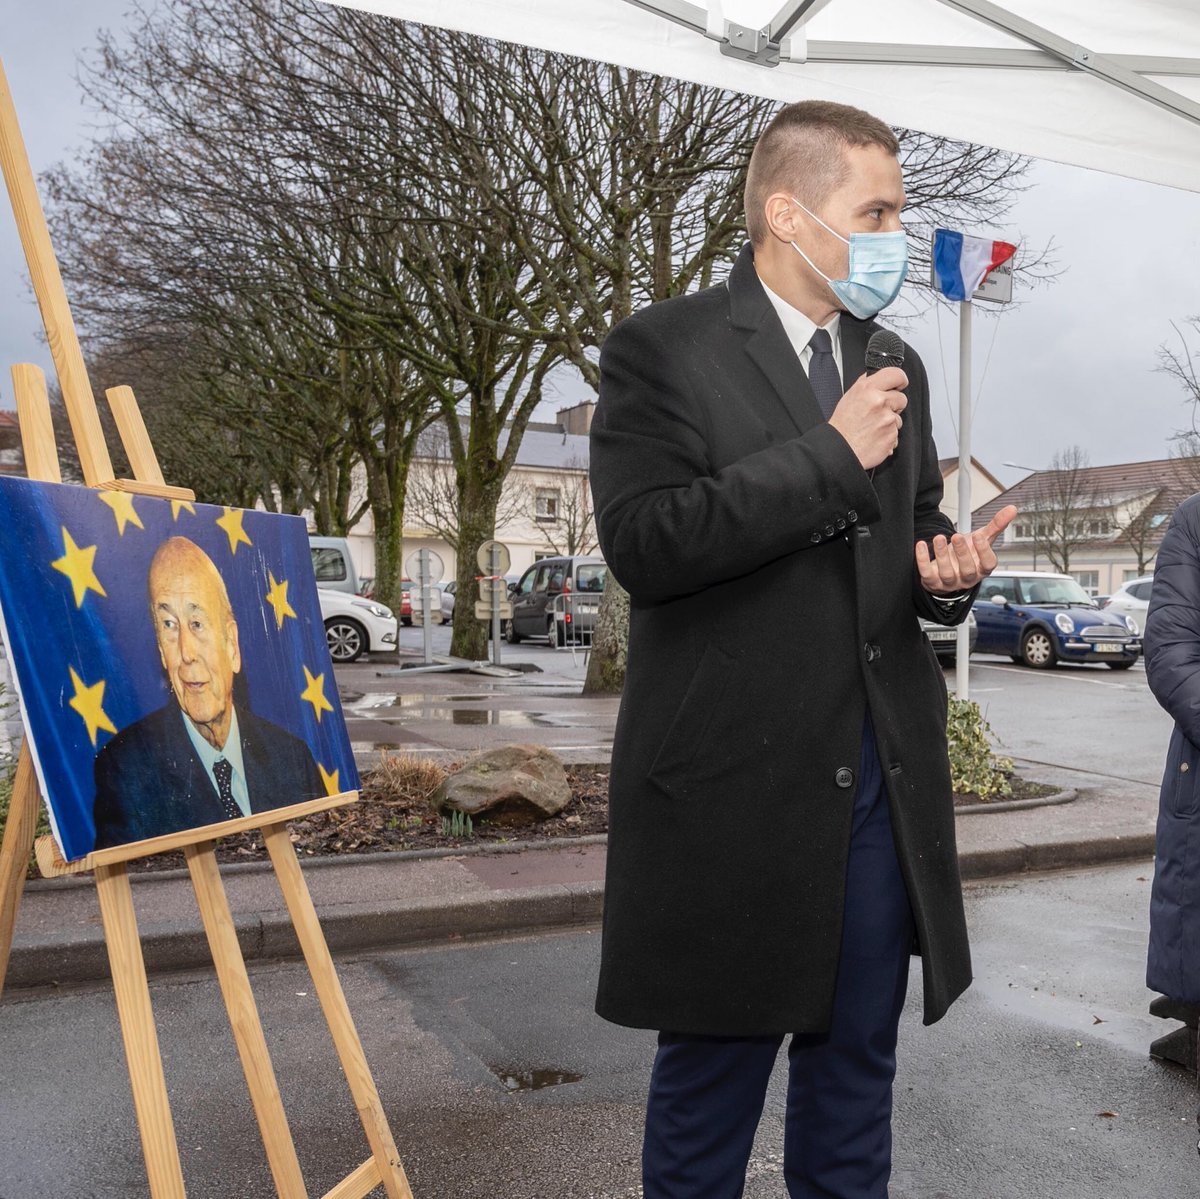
(477, 524)
(606, 664)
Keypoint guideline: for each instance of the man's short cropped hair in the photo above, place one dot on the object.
(800, 152)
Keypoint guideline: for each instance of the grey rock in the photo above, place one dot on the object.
(511, 785)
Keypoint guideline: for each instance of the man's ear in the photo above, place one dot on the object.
(782, 216)
(235, 652)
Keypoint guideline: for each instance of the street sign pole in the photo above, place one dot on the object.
(962, 658)
(494, 569)
(426, 622)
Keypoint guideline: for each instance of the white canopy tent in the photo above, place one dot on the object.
(1112, 85)
(1109, 84)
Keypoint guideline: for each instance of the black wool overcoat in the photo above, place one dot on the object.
(774, 598)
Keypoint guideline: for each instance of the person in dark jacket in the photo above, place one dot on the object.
(781, 818)
(1172, 649)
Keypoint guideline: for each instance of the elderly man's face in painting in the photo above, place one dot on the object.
(197, 635)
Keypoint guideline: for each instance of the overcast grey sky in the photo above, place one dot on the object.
(1073, 363)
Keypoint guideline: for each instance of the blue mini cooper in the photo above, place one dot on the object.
(1041, 619)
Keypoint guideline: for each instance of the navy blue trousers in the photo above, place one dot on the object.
(707, 1093)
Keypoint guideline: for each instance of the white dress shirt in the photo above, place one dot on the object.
(799, 330)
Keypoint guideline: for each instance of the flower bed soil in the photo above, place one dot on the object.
(378, 823)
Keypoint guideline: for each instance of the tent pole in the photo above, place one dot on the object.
(963, 655)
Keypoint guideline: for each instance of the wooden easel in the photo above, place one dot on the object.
(161, 1153)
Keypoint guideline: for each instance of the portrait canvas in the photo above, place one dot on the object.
(169, 659)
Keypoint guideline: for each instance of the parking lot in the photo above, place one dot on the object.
(1081, 724)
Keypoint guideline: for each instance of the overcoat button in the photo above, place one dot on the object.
(829, 530)
(815, 538)
(844, 777)
(852, 516)
(1183, 768)
(841, 524)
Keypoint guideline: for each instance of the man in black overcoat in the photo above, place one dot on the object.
(782, 826)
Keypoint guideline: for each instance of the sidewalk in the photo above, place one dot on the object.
(417, 898)
(428, 897)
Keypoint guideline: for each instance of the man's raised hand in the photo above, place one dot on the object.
(868, 415)
(962, 561)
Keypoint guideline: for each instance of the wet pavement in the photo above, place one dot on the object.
(499, 1080)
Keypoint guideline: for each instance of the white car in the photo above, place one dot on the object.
(355, 626)
(1132, 599)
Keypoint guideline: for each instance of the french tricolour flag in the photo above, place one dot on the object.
(962, 263)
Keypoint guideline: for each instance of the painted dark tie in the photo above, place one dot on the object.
(823, 372)
(224, 773)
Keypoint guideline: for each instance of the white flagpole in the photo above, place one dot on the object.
(963, 654)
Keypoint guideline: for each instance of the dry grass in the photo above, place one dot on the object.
(404, 779)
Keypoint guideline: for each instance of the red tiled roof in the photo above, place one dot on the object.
(1174, 478)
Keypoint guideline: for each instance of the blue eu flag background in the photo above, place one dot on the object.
(76, 619)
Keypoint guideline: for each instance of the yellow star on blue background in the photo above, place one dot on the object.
(277, 598)
(78, 564)
(89, 703)
(121, 503)
(314, 693)
(231, 522)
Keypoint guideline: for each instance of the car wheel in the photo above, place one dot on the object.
(1037, 649)
(1120, 665)
(346, 638)
(510, 633)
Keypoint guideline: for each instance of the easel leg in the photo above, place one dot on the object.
(14, 853)
(244, 1020)
(141, 1040)
(337, 1013)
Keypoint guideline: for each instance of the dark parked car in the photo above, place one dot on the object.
(550, 591)
(1040, 619)
(945, 641)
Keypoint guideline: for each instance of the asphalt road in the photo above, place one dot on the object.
(499, 1080)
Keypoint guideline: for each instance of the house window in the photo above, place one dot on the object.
(1099, 528)
(546, 505)
(1089, 580)
(1128, 574)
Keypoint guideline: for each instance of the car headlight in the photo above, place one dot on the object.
(1064, 622)
(1131, 624)
(376, 610)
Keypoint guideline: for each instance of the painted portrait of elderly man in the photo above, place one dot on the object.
(170, 661)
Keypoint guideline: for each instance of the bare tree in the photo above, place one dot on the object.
(560, 504)
(433, 490)
(1139, 521)
(1065, 510)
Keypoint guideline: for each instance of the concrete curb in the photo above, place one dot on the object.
(77, 957)
(1022, 858)
(1018, 805)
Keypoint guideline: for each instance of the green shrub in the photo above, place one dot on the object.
(973, 766)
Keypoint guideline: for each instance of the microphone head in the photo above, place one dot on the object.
(884, 348)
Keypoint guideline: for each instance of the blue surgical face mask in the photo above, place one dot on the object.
(877, 267)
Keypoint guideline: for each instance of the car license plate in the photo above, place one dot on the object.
(944, 635)
(1109, 647)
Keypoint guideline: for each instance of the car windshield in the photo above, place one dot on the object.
(1055, 593)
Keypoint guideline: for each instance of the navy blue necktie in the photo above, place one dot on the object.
(224, 773)
(823, 373)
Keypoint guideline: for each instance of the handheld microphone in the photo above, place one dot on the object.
(884, 348)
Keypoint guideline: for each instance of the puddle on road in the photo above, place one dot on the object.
(515, 1081)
